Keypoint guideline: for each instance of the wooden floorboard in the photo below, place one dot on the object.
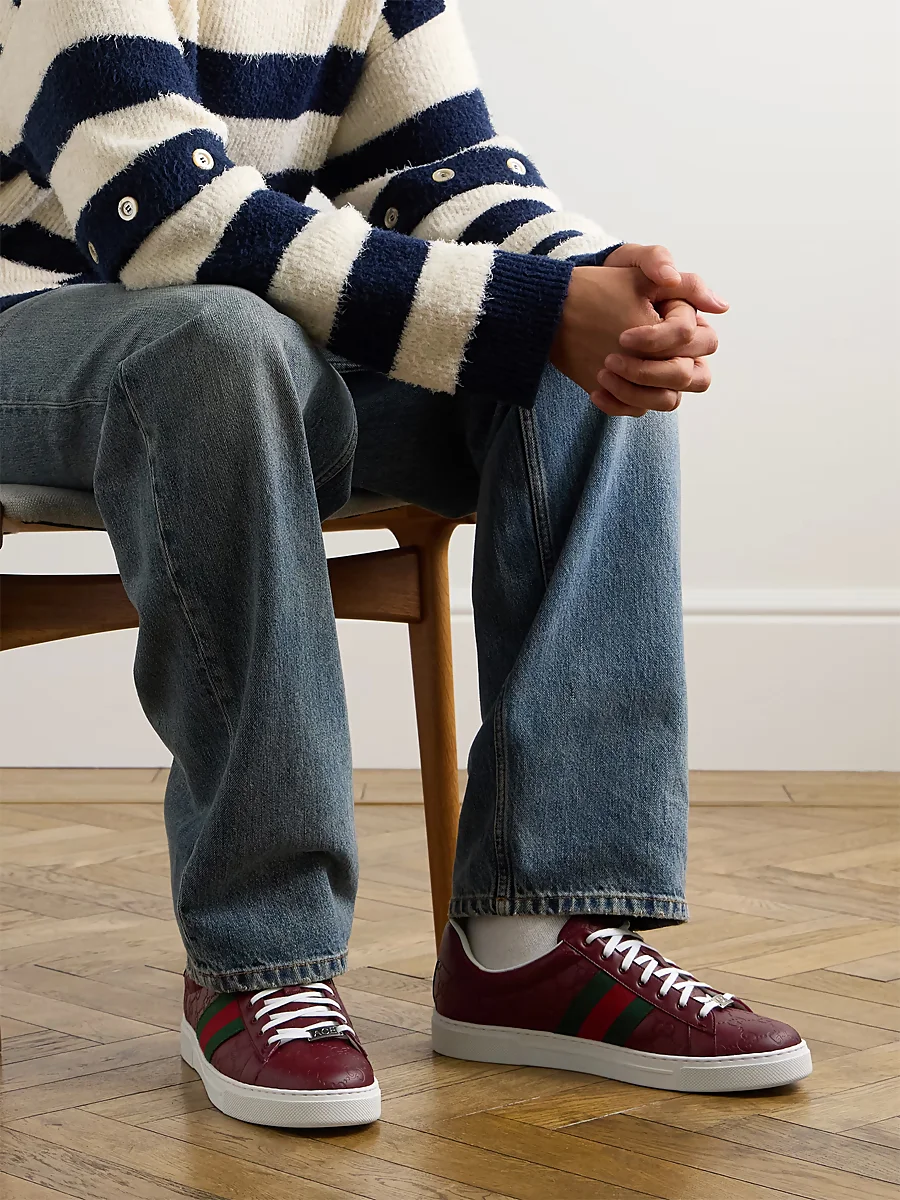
(794, 892)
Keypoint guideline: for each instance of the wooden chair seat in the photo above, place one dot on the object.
(409, 584)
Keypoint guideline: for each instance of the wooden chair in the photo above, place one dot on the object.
(409, 584)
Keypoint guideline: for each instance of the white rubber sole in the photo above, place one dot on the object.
(273, 1106)
(671, 1072)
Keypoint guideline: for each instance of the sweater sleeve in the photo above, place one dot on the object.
(416, 150)
(99, 96)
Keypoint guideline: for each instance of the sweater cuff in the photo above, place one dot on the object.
(596, 259)
(509, 349)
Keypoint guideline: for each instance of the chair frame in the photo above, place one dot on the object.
(409, 585)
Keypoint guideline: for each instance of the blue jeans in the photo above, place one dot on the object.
(216, 438)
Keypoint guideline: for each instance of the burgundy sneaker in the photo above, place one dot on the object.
(603, 1002)
(285, 1056)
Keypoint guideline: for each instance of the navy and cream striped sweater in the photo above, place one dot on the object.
(158, 142)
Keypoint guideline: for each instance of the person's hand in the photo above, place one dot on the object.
(680, 342)
(601, 304)
(656, 263)
(655, 364)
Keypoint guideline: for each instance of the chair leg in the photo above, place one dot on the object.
(432, 667)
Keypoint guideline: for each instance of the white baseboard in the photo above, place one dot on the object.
(779, 680)
(807, 604)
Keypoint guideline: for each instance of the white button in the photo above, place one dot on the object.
(391, 217)
(128, 208)
(92, 251)
(516, 164)
(442, 174)
(203, 159)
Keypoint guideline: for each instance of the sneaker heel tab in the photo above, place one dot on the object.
(454, 926)
(457, 949)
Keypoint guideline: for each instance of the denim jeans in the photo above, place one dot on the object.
(216, 438)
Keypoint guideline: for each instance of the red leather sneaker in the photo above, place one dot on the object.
(603, 1002)
(285, 1056)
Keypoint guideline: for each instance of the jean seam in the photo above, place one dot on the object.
(347, 452)
(195, 635)
(537, 487)
(32, 404)
(170, 569)
(275, 966)
(596, 904)
(501, 803)
(599, 895)
(235, 979)
(345, 457)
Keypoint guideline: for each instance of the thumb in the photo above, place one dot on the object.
(693, 289)
(655, 262)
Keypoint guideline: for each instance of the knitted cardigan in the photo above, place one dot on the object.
(177, 141)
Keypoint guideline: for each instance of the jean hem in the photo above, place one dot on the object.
(275, 975)
(646, 911)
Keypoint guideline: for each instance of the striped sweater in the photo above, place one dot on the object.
(159, 142)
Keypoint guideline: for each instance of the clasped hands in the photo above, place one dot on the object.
(632, 333)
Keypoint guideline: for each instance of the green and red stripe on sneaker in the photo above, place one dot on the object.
(219, 1021)
(604, 1011)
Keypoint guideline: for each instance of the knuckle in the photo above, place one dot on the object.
(707, 342)
(642, 373)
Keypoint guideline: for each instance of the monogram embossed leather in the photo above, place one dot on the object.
(246, 1054)
(577, 991)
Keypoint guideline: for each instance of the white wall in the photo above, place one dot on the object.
(760, 144)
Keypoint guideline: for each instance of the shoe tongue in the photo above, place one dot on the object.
(312, 989)
(335, 1017)
(313, 998)
(580, 926)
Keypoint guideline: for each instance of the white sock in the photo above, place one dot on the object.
(500, 943)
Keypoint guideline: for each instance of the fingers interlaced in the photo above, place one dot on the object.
(695, 291)
(676, 330)
(658, 363)
(682, 374)
(637, 396)
(607, 403)
(666, 340)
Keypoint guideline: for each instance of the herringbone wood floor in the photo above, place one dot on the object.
(794, 895)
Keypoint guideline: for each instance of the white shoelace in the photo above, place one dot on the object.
(316, 1000)
(625, 943)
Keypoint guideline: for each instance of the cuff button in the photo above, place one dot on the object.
(92, 251)
(516, 164)
(203, 159)
(443, 175)
(128, 208)
(391, 217)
